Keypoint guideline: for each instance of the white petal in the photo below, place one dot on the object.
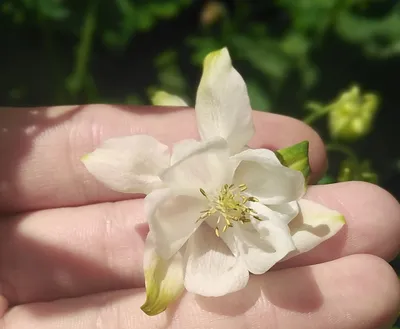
(206, 166)
(182, 149)
(129, 164)
(314, 224)
(172, 219)
(222, 103)
(266, 178)
(264, 243)
(162, 98)
(211, 269)
(163, 279)
(285, 212)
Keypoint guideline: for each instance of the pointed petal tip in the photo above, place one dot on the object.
(163, 279)
(84, 158)
(341, 219)
(222, 102)
(219, 54)
(315, 225)
(162, 98)
(150, 310)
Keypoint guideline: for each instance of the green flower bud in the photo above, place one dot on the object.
(351, 116)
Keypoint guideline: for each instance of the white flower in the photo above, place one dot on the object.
(217, 210)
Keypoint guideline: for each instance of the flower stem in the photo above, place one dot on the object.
(309, 119)
(342, 149)
(78, 78)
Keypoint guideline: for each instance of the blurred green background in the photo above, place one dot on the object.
(332, 63)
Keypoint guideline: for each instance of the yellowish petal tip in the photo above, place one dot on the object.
(216, 54)
(85, 157)
(151, 311)
(162, 98)
(342, 219)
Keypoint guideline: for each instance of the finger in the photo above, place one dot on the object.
(344, 293)
(372, 223)
(70, 247)
(42, 147)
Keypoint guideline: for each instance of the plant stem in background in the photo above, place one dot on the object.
(79, 80)
(342, 149)
(317, 114)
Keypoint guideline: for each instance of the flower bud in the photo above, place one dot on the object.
(352, 114)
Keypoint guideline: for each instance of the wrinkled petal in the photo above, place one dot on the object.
(211, 268)
(172, 219)
(163, 279)
(266, 178)
(206, 166)
(129, 164)
(314, 224)
(263, 243)
(182, 149)
(222, 103)
(285, 212)
(162, 98)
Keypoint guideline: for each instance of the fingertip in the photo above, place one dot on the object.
(383, 286)
(372, 215)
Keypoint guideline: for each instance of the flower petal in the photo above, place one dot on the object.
(172, 219)
(222, 103)
(264, 243)
(182, 149)
(266, 178)
(314, 224)
(205, 166)
(163, 279)
(211, 268)
(162, 98)
(285, 212)
(129, 164)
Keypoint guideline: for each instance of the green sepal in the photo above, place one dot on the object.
(296, 157)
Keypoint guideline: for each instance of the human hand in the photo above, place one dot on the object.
(72, 256)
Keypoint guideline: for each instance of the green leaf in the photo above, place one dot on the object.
(53, 9)
(296, 157)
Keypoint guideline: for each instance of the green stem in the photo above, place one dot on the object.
(342, 149)
(309, 119)
(330, 20)
(78, 78)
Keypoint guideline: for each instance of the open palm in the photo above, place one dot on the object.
(71, 250)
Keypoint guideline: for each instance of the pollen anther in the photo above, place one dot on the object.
(230, 204)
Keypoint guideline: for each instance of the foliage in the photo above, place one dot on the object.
(277, 45)
(271, 53)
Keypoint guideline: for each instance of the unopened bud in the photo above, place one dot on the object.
(352, 114)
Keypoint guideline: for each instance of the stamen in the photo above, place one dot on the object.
(231, 206)
(203, 192)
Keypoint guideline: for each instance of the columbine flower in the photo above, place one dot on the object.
(216, 209)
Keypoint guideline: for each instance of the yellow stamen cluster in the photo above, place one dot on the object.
(230, 205)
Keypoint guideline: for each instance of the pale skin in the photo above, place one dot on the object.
(72, 256)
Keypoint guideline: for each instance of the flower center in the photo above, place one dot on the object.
(230, 206)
